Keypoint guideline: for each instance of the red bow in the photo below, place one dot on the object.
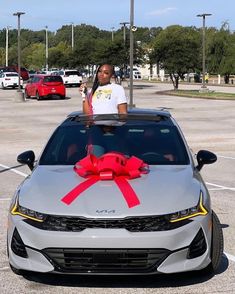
(110, 166)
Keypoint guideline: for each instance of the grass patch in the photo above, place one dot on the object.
(200, 94)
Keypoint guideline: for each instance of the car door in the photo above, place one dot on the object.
(35, 85)
(1, 78)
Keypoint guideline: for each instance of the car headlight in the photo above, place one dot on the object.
(197, 210)
(17, 209)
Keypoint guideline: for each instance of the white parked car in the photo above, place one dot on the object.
(10, 80)
(71, 77)
(137, 75)
(135, 203)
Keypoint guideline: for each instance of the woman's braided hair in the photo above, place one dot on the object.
(96, 82)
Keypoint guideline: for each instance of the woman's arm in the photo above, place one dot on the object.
(85, 106)
(122, 108)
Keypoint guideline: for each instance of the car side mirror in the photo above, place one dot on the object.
(205, 157)
(27, 157)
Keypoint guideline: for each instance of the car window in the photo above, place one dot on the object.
(153, 143)
(35, 79)
(72, 73)
(12, 75)
(51, 79)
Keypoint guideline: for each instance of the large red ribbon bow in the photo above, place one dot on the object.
(110, 166)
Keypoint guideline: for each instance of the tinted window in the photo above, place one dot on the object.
(51, 79)
(72, 73)
(152, 142)
(35, 79)
(12, 75)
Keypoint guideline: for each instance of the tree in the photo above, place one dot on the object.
(177, 50)
(221, 52)
(34, 56)
(2, 55)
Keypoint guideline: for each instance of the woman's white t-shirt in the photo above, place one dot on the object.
(107, 98)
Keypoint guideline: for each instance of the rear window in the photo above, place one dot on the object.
(52, 79)
(72, 73)
(12, 75)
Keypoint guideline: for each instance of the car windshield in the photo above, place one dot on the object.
(154, 143)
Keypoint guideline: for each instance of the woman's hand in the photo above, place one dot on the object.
(83, 90)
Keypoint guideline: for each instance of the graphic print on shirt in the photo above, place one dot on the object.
(102, 94)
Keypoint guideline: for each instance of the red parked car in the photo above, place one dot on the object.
(23, 71)
(45, 86)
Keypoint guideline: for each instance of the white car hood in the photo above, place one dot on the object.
(165, 189)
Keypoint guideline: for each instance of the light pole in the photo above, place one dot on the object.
(112, 28)
(46, 27)
(124, 23)
(203, 15)
(124, 31)
(72, 44)
(7, 30)
(18, 14)
(131, 105)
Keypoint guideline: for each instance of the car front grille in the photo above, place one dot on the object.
(132, 224)
(76, 260)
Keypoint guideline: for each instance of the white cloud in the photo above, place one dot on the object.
(162, 11)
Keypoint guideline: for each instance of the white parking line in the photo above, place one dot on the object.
(219, 187)
(14, 170)
(5, 199)
(227, 157)
(4, 268)
(230, 257)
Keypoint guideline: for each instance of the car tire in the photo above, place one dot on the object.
(62, 97)
(217, 245)
(38, 96)
(3, 87)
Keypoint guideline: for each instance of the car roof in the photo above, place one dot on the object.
(44, 75)
(134, 114)
(9, 72)
(140, 111)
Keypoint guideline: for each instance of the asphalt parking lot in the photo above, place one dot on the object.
(207, 124)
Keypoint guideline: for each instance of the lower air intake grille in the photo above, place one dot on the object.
(106, 260)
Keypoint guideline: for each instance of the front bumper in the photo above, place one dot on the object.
(109, 251)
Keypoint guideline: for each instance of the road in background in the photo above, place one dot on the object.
(207, 124)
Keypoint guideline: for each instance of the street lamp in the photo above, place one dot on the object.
(18, 14)
(112, 28)
(124, 43)
(7, 30)
(124, 31)
(131, 104)
(46, 27)
(203, 15)
(72, 44)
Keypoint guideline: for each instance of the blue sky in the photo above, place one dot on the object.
(106, 14)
